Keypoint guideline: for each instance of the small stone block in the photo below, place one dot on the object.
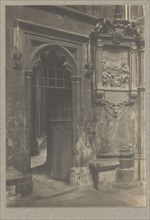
(125, 175)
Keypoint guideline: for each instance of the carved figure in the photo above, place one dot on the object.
(115, 76)
(17, 59)
(124, 67)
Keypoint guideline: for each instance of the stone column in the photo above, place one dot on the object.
(78, 175)
(141, 118)
(28, 75)
(76, 112)
(99, 70)
(25, 186)
(133, 76)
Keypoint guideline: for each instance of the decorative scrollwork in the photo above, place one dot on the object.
(117, 28)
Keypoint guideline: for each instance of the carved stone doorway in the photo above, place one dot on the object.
(52, 111)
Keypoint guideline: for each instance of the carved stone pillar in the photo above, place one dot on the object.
(99, 70)
(99, 76)
(76, 106)
(28, 75)
(133, 77)
(25, 186)
(79, 175)
(141, 116)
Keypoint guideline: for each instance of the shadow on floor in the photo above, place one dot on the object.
(41, 170)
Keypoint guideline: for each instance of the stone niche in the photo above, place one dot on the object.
(114, 53)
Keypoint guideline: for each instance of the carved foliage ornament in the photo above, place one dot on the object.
(115, 110)
(117, 28)
(53, 58)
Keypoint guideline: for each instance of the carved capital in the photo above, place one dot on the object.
(141, 88)
(99, 98)
(99, 45)
(28, 73)
(132, 96)
(133, 48)
(17, 59)
(76, 79)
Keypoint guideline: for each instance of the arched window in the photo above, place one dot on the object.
(52, 71)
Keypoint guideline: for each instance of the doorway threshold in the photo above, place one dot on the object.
(45, 187)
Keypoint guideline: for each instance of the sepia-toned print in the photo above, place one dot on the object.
(75, 106)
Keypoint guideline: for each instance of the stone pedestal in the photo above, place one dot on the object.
(13, 177)
(101, 166)
(125, 171)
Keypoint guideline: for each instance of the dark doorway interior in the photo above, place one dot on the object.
(52, 114)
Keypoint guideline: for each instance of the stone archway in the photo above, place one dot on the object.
(71, 65)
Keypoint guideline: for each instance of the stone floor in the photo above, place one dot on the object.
(52, 193)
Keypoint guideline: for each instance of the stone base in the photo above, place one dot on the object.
(25, 186)
(129, 185)
(17, 185)
(11, 196)
(106, 179)
(80, 176)
(125, 175)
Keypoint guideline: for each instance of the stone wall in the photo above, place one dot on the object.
(115, 133)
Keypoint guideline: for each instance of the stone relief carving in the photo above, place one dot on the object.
(115, 75)
(17, 59)
(116, 27)
(140, 24)
(115, 109)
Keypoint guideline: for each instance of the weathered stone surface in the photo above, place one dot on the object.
(125, 175)
(80, 176)
(11, 195)
(25, 186)
(114, 133)
(126, 163)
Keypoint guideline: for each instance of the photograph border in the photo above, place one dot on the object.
(69, 213)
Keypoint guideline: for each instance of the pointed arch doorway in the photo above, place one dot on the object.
(52, 109)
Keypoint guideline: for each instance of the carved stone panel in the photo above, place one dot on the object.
(115, 67)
